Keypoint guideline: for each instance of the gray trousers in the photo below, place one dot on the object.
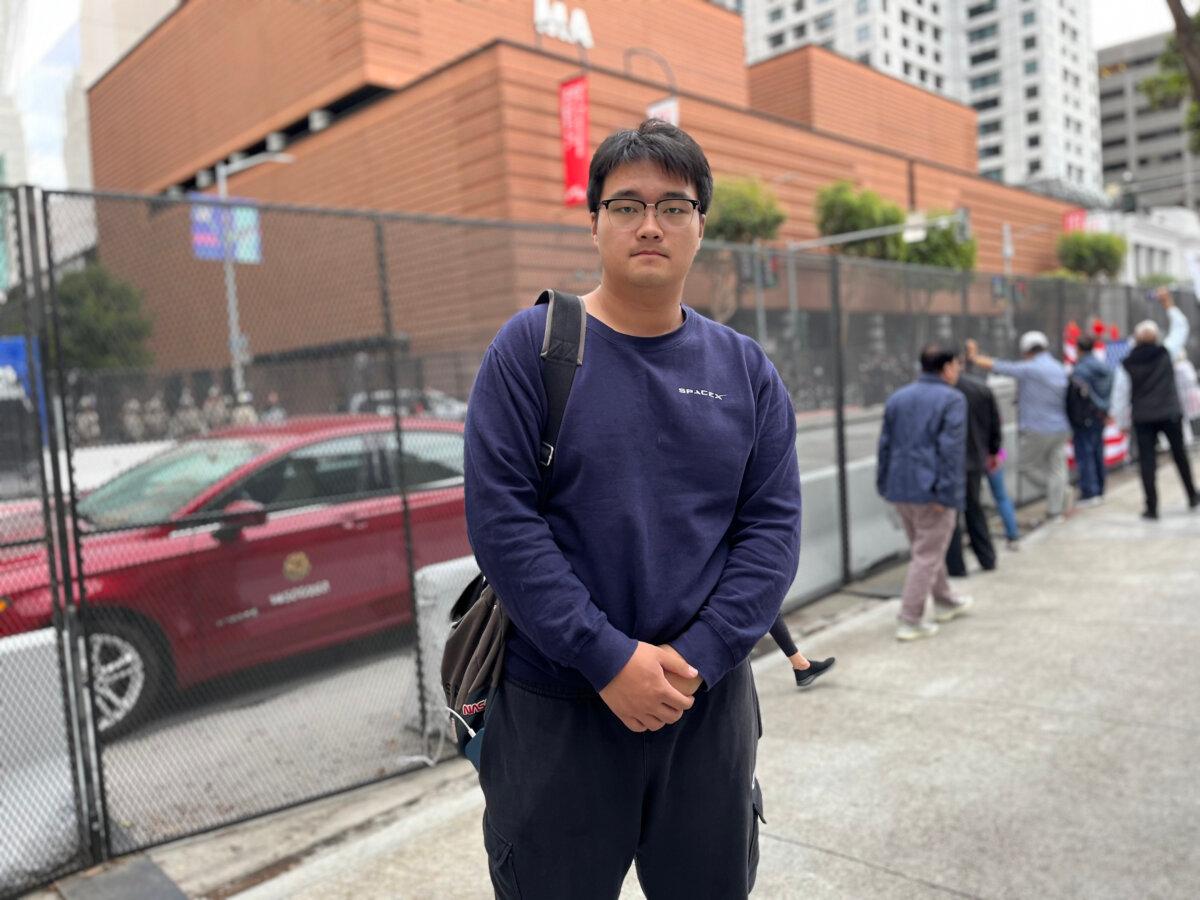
(1044, 462)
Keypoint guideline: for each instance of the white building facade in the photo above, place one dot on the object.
(1163, 241)
(1026, 66)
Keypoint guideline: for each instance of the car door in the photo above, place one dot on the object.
(302, 579)
(433, 475)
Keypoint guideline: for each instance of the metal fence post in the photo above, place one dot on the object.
(71, 550)
(760, 302)
(389, 328)
(839, 412)
(36, 355)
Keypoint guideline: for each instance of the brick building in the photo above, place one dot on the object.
(451, 108)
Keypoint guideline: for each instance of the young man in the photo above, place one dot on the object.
(626, 726)
(922, 470)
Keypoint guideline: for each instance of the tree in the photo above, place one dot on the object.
(103, 326)
(1092, 253)
(1156, 280)
(943, 247)
(742, 210)
(1178, 77)
(841, 209)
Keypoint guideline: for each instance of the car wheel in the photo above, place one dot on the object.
(126, 673)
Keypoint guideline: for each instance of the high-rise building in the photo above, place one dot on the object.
(1144, 150)
(1026, 66)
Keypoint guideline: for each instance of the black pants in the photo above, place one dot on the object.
(573, 797)
(977, 528)
(1147, 444)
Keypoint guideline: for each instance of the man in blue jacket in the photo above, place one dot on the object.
(626, 724)
(923, 471)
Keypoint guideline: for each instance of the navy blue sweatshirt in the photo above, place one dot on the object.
(674, 508)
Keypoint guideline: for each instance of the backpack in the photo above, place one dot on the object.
(1082, 411)
(473, 659)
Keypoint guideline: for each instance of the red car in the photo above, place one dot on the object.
(245, 546)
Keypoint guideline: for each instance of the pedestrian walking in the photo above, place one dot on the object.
(984, 437)
(625, 725)
(805, 670)
(1145, 397)
(922, 471)
(1089, 398)
(1041, 415)
(1004, 505)
(244, 414)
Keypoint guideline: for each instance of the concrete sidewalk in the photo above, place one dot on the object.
(1043, 746)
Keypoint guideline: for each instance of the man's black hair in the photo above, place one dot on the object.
(935, 355)
(671, 148)
(1086, 343)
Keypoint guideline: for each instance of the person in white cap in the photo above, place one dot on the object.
(1041, 414)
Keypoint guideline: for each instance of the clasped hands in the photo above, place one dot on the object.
(653, 689)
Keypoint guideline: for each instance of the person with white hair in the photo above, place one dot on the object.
(1041, 414)
(1145, 396)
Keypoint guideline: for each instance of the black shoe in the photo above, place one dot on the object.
(1149, 516)
(816, 668)
(1194, 502)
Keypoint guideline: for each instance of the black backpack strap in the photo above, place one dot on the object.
(562, 354)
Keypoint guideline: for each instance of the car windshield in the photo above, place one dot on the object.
(153, 491)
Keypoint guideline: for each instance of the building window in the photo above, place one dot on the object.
(800, 31)
(907, 68)
(924, 76)
(775, 14)
(775, 40)
(904, 42)
(1033, 116)
(865, 59)
(823, 23)
(985, 56)
(862, 6)
(989, 152)
(992, 174)
(982, 34)
(1112, 94)
(981, 9)
(864, 33)
(1031, 92)
(920, 49)
(1112, 144)
(798, 6)
(1033, 140)
(938, 82)
(937, 56)
(887, 59)
(983, 81)
(1030, 66)
(937, 33)
(991, 127)
(1035, 166)
(1029, 43)
(983, 105)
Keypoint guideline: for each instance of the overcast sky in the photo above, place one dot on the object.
(1118, 21)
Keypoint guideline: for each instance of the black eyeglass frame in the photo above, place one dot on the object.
(657, 212)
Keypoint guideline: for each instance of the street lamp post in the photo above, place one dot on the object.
(237, 340)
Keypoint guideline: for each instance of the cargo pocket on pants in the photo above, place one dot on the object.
(756, 816)
(500, 864)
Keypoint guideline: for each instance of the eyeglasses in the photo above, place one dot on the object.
(673, 212)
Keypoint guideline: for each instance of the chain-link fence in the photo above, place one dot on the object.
(243, 439)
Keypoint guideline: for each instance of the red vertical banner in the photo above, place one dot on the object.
(573, 122)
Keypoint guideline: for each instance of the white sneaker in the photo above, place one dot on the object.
(909, 632)
(1014, 545)
(947, 612)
